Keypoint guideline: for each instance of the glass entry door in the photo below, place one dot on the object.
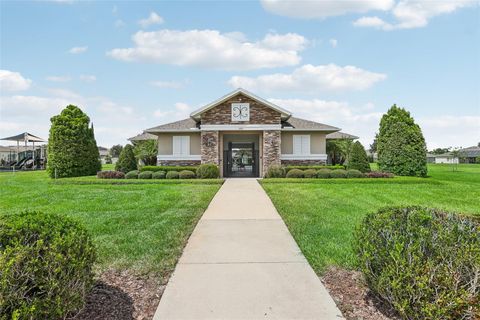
(240, 160)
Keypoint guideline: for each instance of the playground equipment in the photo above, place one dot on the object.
(29, 158)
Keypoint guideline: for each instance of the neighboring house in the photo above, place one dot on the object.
(442, 158)
(104, 152)
(243, 134)
(470, 154)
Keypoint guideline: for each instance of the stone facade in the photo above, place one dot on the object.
(303, 162)
(271, 148)
(180, 163)
(209, 148)
(259, 113)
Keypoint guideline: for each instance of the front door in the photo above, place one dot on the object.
(240, 160)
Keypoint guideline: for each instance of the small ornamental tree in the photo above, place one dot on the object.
(126, 162)
(72, 149)
(146, 151)
(358, 158)
(401, 145)
(116, 150)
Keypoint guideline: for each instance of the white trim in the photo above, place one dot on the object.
(285, 113)
(303, 157)
(238, 127)
(179, 157)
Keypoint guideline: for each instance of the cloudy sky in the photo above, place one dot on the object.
(134, 65)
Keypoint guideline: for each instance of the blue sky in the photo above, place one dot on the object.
(134, 65)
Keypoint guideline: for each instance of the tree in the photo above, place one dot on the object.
(116, 150)
(126, 162)
(146, 151)
(339, 150)
(401, 145)
(373, 146)
(440, 150)
(72, 149)
(358, 158)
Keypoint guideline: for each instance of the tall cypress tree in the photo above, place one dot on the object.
(358, 158)
(126, 162)
(72, 149)
(401, 145)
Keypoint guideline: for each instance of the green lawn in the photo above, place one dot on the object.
(142, 227)
(322, 214)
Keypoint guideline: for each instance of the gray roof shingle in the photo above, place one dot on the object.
(143, 136)
(302, 124)
(341, 135)
(181, 125)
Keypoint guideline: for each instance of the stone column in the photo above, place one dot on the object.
(209, 147)
(271, 149)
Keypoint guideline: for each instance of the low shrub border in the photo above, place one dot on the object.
(186, 174)
(145, 175)
(132, 174)
(423, 262)
(207, 171)
(46, 264)
(172, 175)
(276, 171)
(333, 167)
(169, 168)
(110, 175)
(159, 175)
(295, 173)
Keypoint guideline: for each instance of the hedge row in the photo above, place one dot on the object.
(333, 167)
(169, 168)
(204, 171)
(323, 173)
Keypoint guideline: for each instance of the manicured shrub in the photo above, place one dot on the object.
(186, 174)
(339, 173)
(310, 173)
(169, 168)
(110, 175)
(423, 262)
(324, 173)
(316, 167)
(401, 145)
(208, 171)
(172, 175)
(46, 265)
(352, 173)
(358, 158)
(378, 174)
(159, 175)
(295, 173)
(145, 175)
(72, 149)
(275, 171)
(126, 162)
(132, 174)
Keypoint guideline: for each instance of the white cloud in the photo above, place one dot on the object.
(77, 50)
(322, 9)
(168, 84)
(13, 81)
(211, 48)
(333, 43)
(410, 14)
(88, 78)
(152, 19)
(181, 110)
(310, 78)
(451, 131)
(58, 78)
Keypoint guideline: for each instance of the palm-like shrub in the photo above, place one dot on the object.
(126, 162)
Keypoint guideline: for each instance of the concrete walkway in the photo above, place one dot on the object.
(242, 263)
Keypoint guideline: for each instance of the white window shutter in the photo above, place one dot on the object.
(306, 144)
(297, 144)
(186, 145)
(177, 145)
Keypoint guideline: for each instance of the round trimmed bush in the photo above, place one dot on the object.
(208, 171)
(324, 173)
(145, 175)
(46, 263)
(159, 175)
(310, 173)
(353, 173)
(132, 174)
(338, 173)
(172, 175)
(275, 171)
(186, 174)
(295, 173)
(421, 261)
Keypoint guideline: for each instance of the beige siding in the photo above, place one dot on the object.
(165, 143)
(317, 142)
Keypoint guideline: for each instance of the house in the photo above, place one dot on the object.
(470, 154)
(104, 154)
(442, 158)
(243, 134)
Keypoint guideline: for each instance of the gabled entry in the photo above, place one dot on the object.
(240, 160)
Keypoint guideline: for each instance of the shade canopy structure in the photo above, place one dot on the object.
(24, 137)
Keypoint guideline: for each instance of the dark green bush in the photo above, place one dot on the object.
(310, 173)
(275, 171)
(295, 173)
(424, 262)
(352, 173)
(159, 175)
(72, 149)
(324, 173)
(208, 171)
(126, 162)
(172, 175)
(186, 174)
(46, 265)
(333, 167)
(339, 173)
(169, 168)
(358, 158)
(132, 174)
(145, 175)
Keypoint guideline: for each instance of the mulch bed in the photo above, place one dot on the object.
(353, 297)
(122, 295)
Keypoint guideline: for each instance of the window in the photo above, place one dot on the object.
(181, 145)
(301, 144)
(240, 112)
